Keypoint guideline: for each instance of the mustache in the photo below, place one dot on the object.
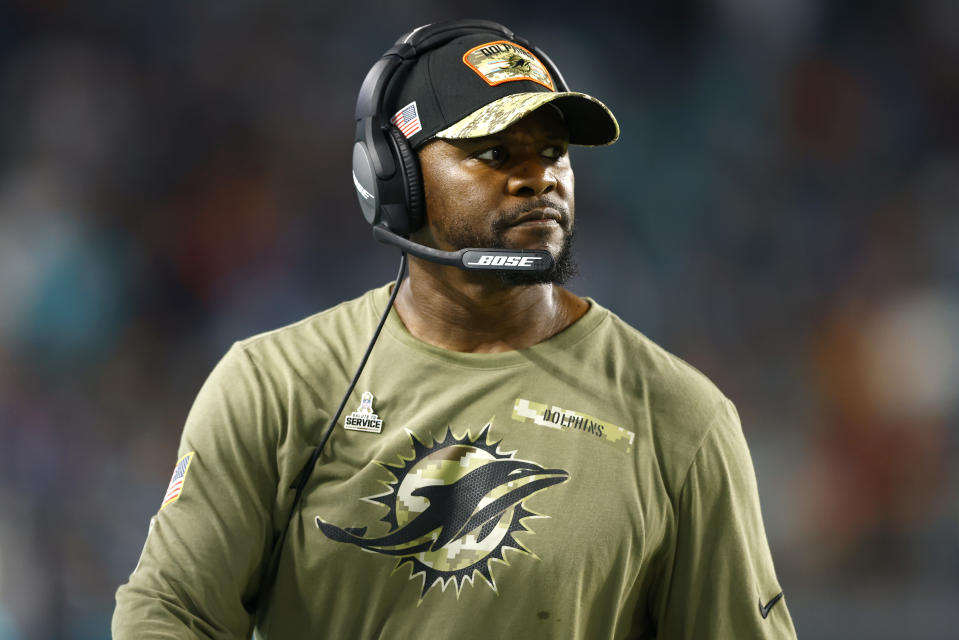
(508, 217)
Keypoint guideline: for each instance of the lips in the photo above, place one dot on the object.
(543, 215)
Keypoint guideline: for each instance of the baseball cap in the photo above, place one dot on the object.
(477, 85)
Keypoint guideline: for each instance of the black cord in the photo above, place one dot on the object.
(366, 356)
(267, 584)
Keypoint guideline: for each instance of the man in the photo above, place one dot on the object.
(517, 461)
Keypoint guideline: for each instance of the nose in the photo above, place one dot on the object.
(532, 177)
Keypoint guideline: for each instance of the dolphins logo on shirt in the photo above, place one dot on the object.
(452, 509)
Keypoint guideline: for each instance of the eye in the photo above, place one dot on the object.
(554, 152)
(493, 154)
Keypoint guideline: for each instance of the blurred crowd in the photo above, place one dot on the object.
(782, 211)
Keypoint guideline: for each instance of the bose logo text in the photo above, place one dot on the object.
(504, 261)
(359, 188)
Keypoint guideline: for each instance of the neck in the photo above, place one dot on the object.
(477, 313)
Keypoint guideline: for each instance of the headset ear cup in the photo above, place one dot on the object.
(413, 185)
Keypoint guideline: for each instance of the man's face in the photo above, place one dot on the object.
(510, 190)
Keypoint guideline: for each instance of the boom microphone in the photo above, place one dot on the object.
(471, 259)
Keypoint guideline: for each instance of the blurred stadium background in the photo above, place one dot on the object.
(782, 211)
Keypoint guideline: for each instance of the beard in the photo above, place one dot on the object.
(563, 269)
(564, 263)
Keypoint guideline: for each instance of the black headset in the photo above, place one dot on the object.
(386, 173)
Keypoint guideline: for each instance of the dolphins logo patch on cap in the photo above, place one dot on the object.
(504, 61)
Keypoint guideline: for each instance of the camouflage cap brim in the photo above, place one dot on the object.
(590, 122)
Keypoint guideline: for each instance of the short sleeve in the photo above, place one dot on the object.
(200, 566)
(720, 581)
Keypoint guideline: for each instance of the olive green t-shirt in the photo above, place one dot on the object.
(592, 486)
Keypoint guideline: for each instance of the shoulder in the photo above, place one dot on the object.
(317, 336)
(303, 353)
(665, 379)
(676, 405)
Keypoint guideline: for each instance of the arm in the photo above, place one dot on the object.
(721, 573)
(200, 566)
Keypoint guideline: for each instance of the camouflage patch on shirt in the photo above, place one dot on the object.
(554, 417)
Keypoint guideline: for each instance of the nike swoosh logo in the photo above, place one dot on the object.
(764, 611)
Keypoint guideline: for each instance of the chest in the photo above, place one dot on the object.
(462, 494)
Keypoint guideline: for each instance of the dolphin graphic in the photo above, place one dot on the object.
(454, 508)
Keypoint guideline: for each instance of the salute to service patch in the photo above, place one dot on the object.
(175, 488)
(363, 419)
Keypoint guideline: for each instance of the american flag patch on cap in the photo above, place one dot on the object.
(408, 120)
(179, 477)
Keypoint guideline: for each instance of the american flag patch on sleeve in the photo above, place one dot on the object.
(408, 120)
(175, 488)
